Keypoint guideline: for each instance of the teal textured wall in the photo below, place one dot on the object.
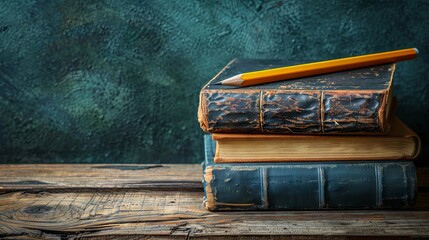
(117, 81)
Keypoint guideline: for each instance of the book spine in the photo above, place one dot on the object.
(294, 186)
(294, 111)
(310, 186)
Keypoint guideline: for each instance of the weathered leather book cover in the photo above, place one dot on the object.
(349, 102)
(307, 186)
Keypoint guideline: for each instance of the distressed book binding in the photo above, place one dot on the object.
(350, 102)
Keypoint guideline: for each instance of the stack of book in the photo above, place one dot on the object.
(323, 142)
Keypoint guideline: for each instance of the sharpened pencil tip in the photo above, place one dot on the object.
(218, 83)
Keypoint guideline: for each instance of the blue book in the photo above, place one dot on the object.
(308, 185)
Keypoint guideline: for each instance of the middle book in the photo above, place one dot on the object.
(401, 143)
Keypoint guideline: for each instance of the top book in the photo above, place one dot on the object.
(350, 102)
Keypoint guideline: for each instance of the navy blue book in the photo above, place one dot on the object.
(307, 186)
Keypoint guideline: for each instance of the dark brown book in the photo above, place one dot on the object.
(350, 102)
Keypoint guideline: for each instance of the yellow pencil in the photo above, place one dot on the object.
(310, 69)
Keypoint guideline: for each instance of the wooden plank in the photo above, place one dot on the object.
(133, 201)
(72, 215)
(100, 177)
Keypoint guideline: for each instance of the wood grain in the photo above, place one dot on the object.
(100, 177)
(58, 202)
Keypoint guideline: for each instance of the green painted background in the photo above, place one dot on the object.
(117, 81)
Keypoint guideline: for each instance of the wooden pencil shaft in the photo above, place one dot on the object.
(329, 66)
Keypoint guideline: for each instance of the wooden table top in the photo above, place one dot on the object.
(62, 201)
